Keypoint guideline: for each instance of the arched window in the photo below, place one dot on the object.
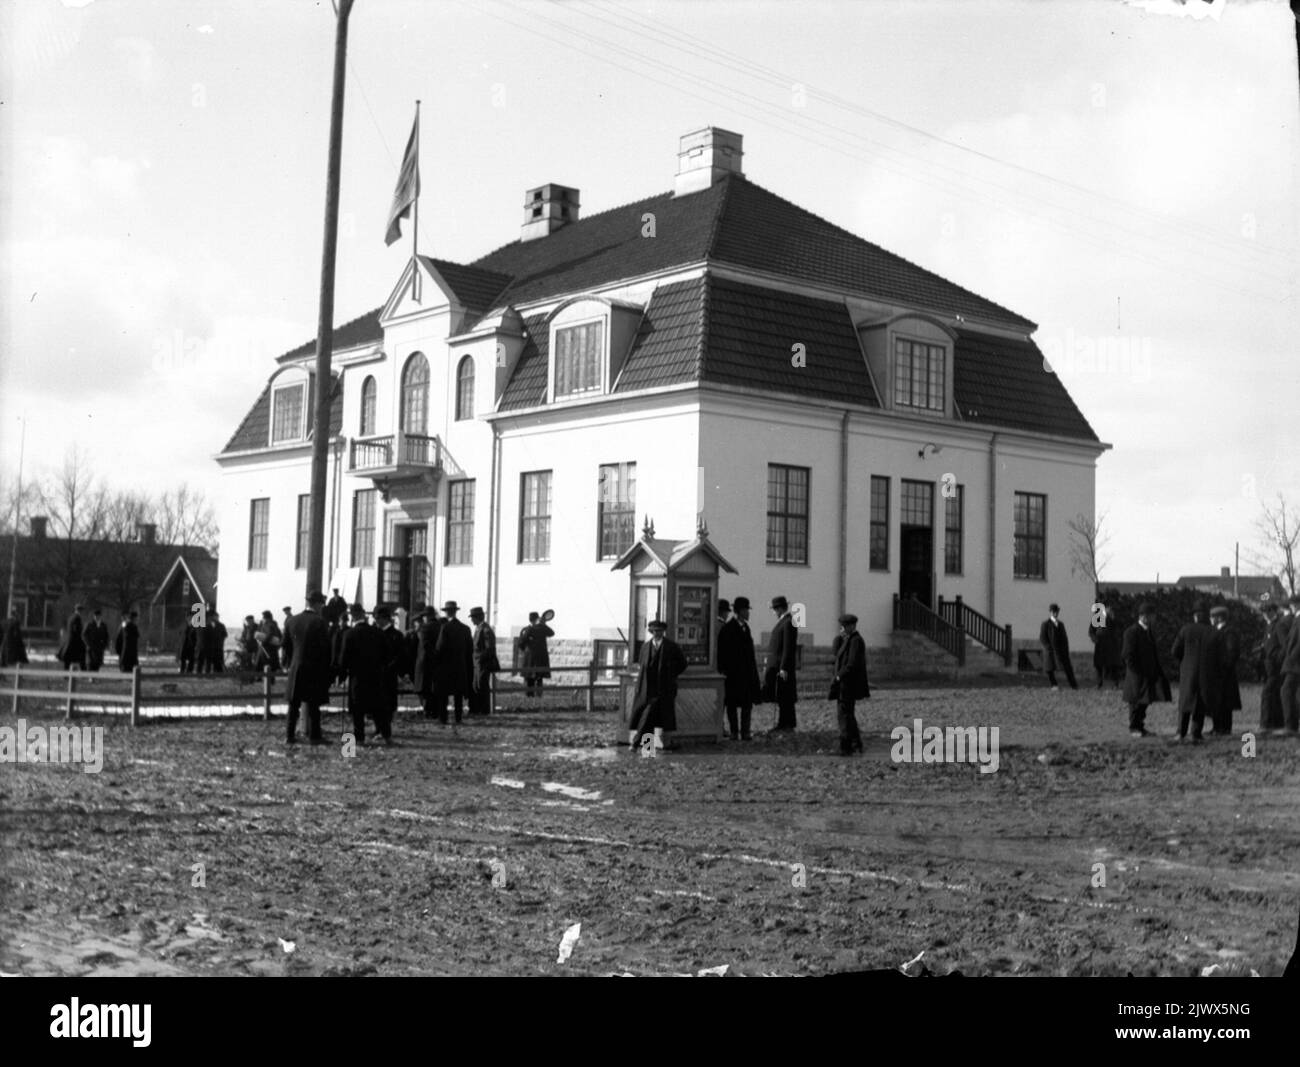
(465, 388)
(368, 406)
(415, 394)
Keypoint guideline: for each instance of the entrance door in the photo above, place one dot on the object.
(916, 542)
(404, 578)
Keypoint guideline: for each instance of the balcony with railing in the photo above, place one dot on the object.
(395, 455)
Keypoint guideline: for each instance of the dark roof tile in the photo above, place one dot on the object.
(527, 386)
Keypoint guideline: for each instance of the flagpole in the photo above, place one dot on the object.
(18, 503)
(415, 214)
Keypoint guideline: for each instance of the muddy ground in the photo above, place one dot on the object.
(472, 851)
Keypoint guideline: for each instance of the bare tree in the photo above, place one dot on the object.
(75, 505)
(1088, 539)
(185, 517)
(1279, 531)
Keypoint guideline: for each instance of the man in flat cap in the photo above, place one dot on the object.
(850, 683)
(779, 679)
(1193, 648)
(1056, 648)
(1226, 693)
(1144, 680)
(654, 705)
(307, 648)
(1290, 692)
(392, 666)
(1278, 625)
(738, 664)
(362, 660)
(454, 673)
(484, 640)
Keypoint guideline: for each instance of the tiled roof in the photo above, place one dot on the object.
(473, 286)
(750, 337)
(364, 329)
(669, 345)
(255, 430)
(527, 386)
(1002, 383)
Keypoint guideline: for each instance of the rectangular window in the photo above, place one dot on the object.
(259, 525)
(954, 508)
(460, 522)
(287, 413)
(879, 523)
(918, 375)
(1031, 535)
(578, 351)
(535, 517)
(363, 528)
(616, 508)
(787, 514)
(304, 532)
(916, 504)
(610, 656)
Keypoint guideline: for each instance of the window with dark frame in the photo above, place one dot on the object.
(460, 522)
(465, 388)
(304, 532)
(916, 503)
(616, 508)
(415, 395)
(287, 413)
(578, 351)
(368, 388)
(535, 517)
(879, 552)
(954, 510)
(919, 375)
(363, 527)
(610, 656)
(787, 513)
(1031, 535)
(259, 526)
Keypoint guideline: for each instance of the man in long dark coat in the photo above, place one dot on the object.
(454, 672)
(13, 649)
(782, 652)
(394, 665)
(654, 705)
(335, 612)
(362, 659)
(850, 681)
(1270, 698)
(307, 647)
(486, 663)
(1290, 692)
(189, 649)
(1144, 680)
(269, 640)
(738, 663)
(1193, 648)
(72, 650)
(128, 643)
(96, 638)
(1227, 652)
(1105, 637)
(425, 673)
(1056, 648)
(535, 658)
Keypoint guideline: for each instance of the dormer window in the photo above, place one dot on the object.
(919, 375)
(579, 353)
(290, 419)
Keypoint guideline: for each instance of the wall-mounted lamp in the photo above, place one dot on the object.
(935, 449)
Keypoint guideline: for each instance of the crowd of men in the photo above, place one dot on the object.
(83, 643)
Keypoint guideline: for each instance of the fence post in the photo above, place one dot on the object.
(591, 686)
(266, 693)
(67, 711)
(135, 696)
(1008, 644)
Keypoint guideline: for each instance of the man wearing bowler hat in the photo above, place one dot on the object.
(779, 678)
(307, 647)
(484, 640)
(1290, 667)
(850, 683)
(361, 659)
(454, 663)
(423, 652)
(392, 666)
(1144, 680)
(1193, 650)
(1226, 646)
(654, 706)
(738, 664)
(1270, 698)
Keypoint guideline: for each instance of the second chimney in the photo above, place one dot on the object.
(705, 157)
(146, 533)
(39, 524)
(1225, 572)
(547, 208)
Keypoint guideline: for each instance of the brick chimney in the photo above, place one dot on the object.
(705, 157)
(1225, 572)
(548, 208)
(39, 526)
(146, 533)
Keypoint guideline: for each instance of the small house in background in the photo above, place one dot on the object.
(190, 581)
(1253, 588)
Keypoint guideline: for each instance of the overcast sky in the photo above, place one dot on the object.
(1123, 177)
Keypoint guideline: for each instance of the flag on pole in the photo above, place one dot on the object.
(408, 186)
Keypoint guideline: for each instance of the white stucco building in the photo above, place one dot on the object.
(850, 426)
